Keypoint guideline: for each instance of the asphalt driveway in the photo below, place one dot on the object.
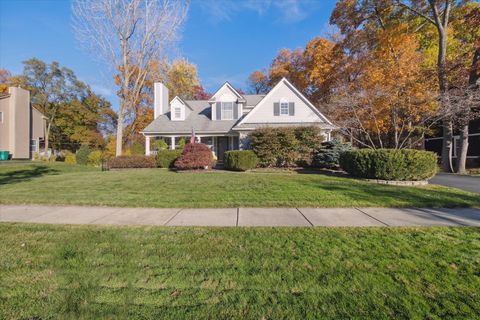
(468, 183)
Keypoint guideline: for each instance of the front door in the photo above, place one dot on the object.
(222, 146)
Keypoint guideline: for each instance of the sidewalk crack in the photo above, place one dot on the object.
(311, 224)
(372, 217)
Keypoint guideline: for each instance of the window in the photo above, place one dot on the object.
(284, 108)
(178, 113)
(227, 110)
(33, 145)
(1, 117)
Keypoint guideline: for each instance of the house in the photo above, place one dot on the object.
(22, 127)
(224, 121)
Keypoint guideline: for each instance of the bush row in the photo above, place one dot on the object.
(389, 164)
(167, 158)
(135, 161)
(240, 160)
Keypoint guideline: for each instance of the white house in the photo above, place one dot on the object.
(224, 121)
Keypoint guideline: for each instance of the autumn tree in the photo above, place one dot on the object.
(75, 114)
(128, 35)
(4, 80)
(182, 79)
(389, 103)
(258, 82)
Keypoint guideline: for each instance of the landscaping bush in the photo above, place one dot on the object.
(137, 149)
(82, 154)
(160, 144)
(285, 146)
(181, 143)
(328, 156)
(95, 158)
(167, 158)
(70, 158)
(240, 160)
(132, 162)
(389, 164)
(195, 156)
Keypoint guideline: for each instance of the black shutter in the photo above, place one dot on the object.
(276, 109)
(291, 108)
(235, 110)
(219, 110)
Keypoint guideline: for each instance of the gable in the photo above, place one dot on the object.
(226, 93)
(179, 110)
(267, 110)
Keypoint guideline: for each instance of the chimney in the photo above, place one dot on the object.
(160, 99)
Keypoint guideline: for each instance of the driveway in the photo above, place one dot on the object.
(242, 217)
(468, 183)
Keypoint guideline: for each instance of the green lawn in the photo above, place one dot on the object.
(64, 184)
(80, 272)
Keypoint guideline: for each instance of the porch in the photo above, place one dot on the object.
(218, 143)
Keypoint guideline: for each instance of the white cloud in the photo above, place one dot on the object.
(102, 90)
(289, 11)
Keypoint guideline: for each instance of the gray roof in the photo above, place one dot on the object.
(253, 99)
(322, 125)
(199, 119)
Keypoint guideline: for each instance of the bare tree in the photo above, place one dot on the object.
(128, 35)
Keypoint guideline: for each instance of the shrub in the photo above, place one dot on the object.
(132, 162)
(328, 156)
(285, 146)
(70, 158)
(160, 144)
(240, 160)
(95, 158)
(181, 143)
(389, 164)
(167, 158)
(82, 154)
(195, 156)
(137, 148)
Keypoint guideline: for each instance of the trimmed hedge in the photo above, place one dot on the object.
(240, 160)
(132, 162)
(390, 164)
(195, 156)
(167, 158)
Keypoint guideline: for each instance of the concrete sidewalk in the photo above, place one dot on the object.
(241, 217)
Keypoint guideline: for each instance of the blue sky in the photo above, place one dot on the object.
(226, 39)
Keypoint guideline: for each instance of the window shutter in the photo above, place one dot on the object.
(219, 110)
(276, 109)
(291, 108)
(235, 110)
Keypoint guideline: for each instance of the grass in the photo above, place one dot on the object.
(81, 185)
(87, 272)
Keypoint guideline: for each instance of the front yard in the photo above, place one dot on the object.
(65, 184)
(80, 272)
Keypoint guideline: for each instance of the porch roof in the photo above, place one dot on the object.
(253, 126)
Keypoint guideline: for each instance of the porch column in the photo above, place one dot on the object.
(172, 143)
(147, 145)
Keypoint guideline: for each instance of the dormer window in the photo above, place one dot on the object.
(227, 110)
(284, 111)
(177, 113)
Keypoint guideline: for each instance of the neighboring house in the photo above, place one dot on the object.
(22, 127)
(435, 141)
(224, 121)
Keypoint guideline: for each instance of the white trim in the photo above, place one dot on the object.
(227, 84)
(298, 93)
(222, 109)
(147, 145)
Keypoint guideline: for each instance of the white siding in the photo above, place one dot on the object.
(263, 112)
(178, 104)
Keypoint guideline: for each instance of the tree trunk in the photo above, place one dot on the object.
(47, 137)
(462, 157)
(119, 142)
(447, 150)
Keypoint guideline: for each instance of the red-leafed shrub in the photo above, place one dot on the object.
(195, 156)
(132, 162)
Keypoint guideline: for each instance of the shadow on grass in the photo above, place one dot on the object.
(25, 174)
(391, 196)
